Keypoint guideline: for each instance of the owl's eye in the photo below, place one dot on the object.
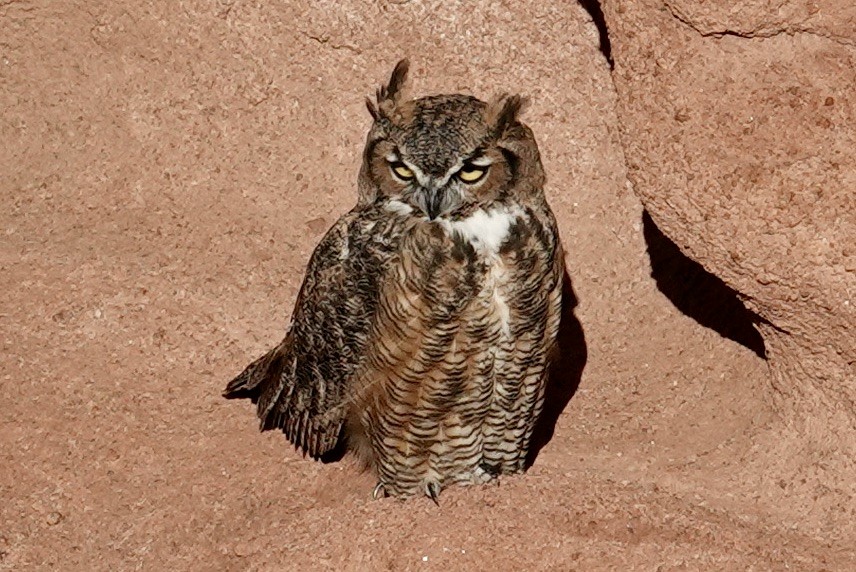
(471, 173)
(401, 171)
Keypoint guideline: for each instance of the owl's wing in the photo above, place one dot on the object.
(301, 385)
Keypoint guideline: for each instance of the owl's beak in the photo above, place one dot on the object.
(433, 203)
(435, 198)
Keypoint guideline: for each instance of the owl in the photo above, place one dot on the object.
(428, 314)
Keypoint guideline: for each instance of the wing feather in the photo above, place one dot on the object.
(301, 385)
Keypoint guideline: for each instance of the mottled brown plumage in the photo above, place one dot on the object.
(424, 326)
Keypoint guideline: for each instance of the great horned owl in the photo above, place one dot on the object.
(428, 313)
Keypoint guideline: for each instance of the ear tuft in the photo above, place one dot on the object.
(397, 79)
(370, 105)
(503, 111)
(389, 95)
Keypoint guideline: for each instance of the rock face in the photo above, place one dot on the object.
(166, 169)
(738, 129)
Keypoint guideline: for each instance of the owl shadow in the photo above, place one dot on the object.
(564, 374)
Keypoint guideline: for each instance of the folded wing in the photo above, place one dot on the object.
(302, 385)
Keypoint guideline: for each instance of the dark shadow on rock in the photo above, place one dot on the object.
(565, 372)
(698, 293)
(594, 10)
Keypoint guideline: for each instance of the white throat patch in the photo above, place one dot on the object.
(485, 230)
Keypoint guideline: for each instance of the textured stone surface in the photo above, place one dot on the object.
(738, 129)
(737, 123)
(167, 167)
(832, 19)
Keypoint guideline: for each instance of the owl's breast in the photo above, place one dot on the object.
(490, 233)
(455, 377)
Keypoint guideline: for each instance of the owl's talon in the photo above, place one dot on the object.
(379, 491)
(432, 491)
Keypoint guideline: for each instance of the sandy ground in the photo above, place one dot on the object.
(165, 172)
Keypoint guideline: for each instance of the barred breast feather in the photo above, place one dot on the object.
(454, 374)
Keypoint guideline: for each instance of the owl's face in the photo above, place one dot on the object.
(446, 155)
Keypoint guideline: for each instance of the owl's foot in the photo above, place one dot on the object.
(379, 491)
(489, 471)
(480, 475)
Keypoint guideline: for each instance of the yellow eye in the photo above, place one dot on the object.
(401, 171)
(471, 173)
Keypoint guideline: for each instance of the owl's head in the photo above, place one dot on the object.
(447, 154)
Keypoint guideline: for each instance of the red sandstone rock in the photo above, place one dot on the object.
(739, 129)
